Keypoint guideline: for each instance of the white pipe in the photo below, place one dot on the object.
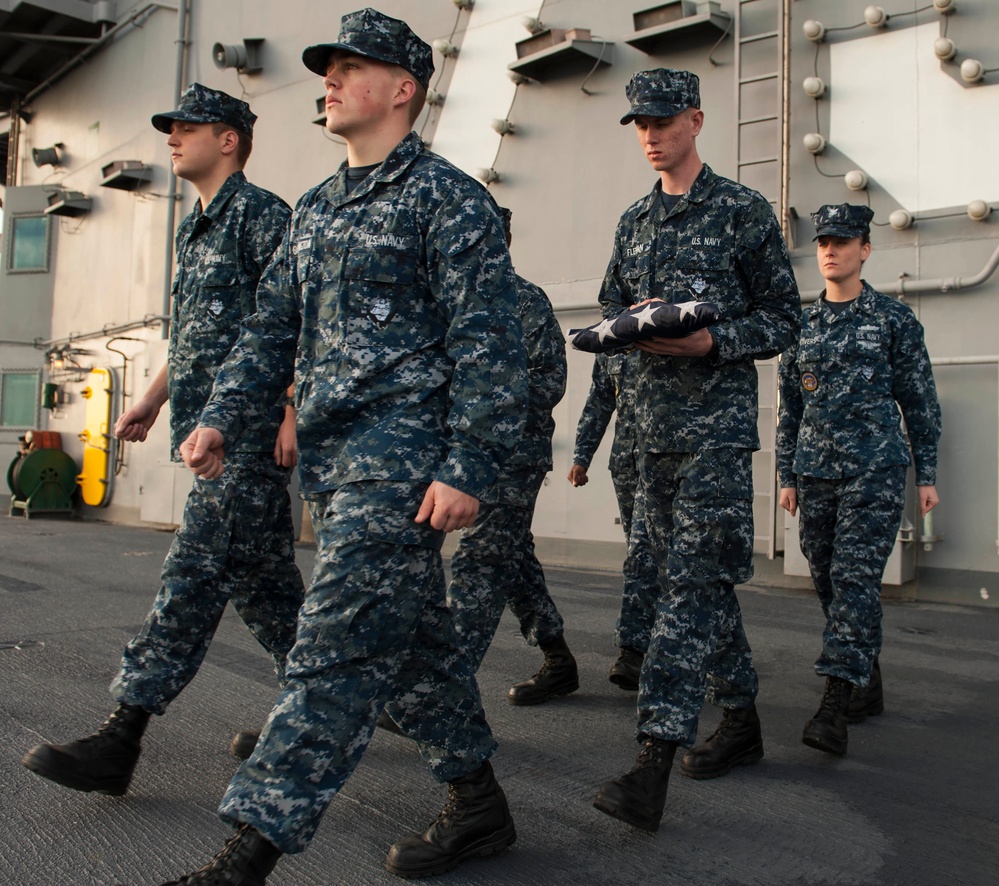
(173, 189)
(940, 284)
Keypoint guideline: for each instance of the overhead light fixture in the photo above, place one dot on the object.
(434, 97)
(900, 219)
(979, 210)
(875, 16)
(944, 6)
(533, 24)
(245, 58)
(46, 156)
(518, 78)
(68, 203)
(855, 180)
(814, 30)
(814, 143)
(503, 127)
(488, 176)
(944, 48)
(445, 47)
(972, 70)
(815, 87)
(125, 175)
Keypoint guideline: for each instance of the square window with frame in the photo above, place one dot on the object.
(28, 252)
(19, 398)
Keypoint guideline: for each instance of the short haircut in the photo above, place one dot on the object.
(417, 102)
(243, 147)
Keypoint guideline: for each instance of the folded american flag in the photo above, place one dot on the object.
(655, 319)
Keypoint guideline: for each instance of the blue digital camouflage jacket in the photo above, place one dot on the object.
(221, 253)
(402, 302)
(719, 243)
(546, 374)
(612, 388)
(841, 389)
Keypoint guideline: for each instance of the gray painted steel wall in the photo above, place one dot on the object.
(567, 173)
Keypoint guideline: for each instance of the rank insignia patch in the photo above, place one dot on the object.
(381, 311)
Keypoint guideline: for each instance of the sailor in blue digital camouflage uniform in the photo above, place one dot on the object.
(696, 236)
(495, 563)
(396, 288)
(842, 459)
(612, 387)
(236, 538)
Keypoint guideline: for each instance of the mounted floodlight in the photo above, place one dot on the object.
(46, 156)
(814, 30)
(815, 87)
(68, 203)
(488, 176)
(445, 47)
(533, 24)
(900, 219)
(435, 98)
(503, 127)
(972, 70)
(875, 16)
(855, 180)
(979, 210)
(944, 48)
(245, 58)
(814, 143)
(517, 78)
(944, 6)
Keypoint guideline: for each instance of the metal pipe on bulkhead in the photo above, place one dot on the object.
(902, 285)
(173, 190)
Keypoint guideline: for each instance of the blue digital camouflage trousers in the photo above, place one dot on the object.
(699, 513)
(235, 544)
(495, 565)
(847, 529)
(640, 592)
(374, 626)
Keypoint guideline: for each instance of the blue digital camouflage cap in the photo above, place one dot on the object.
(375, 35)
(844, 220)
(663, 92)
(199, 104)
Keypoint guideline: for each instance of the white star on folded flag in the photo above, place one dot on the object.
(646, 317)
(687, 309)
(603, 330)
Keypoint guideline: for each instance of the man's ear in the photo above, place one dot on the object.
(405, 90)
(697, 121)
(230, 141)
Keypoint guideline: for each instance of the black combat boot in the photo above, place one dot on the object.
(738, 741)
(101, 762)
(243, 743)
(475, 821)
(869, 701)
(627, 669)
(826, 731)
(558, 676)
(245, 860)
(638, 797)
